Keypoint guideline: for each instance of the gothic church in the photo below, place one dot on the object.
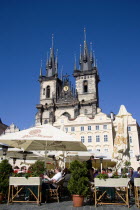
(58, 97)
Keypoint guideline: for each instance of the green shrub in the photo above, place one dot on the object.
(102, 176)
(79, 182)
(5, 172)
(37, 168)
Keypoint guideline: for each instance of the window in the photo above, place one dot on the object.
(72, 128)
(43, 91)
(89, 128)
(66, 130)
(105, 150)
(98, 150)
(97, 127)
(89, 150)
(129, 128)
(82, 128)
(82, 139)
(86, 111)
(85, 86)
(48, 92)
(104, 126)
(130, 139)
(131, 153)
(89, 138)
(98, 138)
(105, 138)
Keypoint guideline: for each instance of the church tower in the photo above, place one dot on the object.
(50, 87)
(87, 79)
(58, 97)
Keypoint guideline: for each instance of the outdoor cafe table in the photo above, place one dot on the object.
(16, 184)
(117, 184)
(137, 189)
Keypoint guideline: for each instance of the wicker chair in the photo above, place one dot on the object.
(55, 193)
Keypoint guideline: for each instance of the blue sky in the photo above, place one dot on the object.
(26, 27)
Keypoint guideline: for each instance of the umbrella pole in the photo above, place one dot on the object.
(45, 156)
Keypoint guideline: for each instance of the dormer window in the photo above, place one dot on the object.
(48, 92)
(85, 86)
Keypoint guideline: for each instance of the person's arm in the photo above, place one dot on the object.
(46, 177)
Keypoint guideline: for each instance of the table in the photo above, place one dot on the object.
(136, 190)
(114, 183)
(18, 183)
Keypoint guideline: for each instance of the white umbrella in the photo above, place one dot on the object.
(41, 138)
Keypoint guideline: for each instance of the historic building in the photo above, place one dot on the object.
(75, 109)
(58, 97)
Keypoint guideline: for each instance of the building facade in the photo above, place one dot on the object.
(59, 97)
(75, 109)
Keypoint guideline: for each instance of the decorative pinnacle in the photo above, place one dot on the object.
(41, 68)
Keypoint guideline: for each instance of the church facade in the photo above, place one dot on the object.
(59, 97)
(76, 109)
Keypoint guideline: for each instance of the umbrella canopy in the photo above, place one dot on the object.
(18, 153)
(41, 138)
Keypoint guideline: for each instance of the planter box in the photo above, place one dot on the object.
(112, 182)
(36, 181)
(137, 182)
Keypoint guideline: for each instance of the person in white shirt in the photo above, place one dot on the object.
(50, 183)
(55, 178)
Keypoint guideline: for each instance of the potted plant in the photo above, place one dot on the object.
(5, 171)
(78, 184)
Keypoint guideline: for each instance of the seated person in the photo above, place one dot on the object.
(110, 174)
(50, 183)
(54, 179)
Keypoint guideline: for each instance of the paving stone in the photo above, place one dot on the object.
(65, 205)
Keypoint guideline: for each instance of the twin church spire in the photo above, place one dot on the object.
(87, 59)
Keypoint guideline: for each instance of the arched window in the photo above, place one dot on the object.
(48, 92)
(85, 86)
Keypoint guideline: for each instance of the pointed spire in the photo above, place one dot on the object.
(47, 61)
(94, 59)
(56, 62)
(80, 60)
(91, 55)
(52, 66)
(52, 41)
(41, 68)
(75, 67)
(85, 34)
(85, 47)
(85, 59)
